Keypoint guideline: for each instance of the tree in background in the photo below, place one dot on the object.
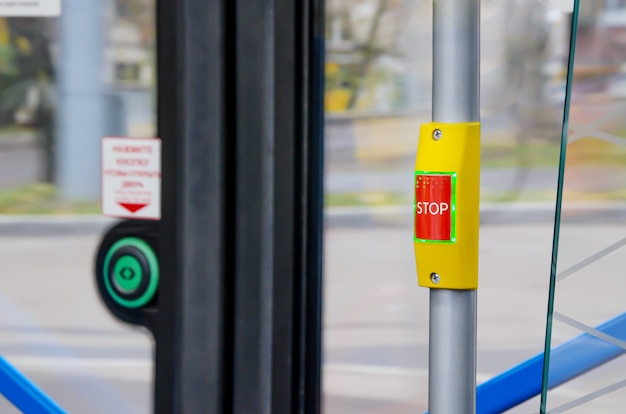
(27, 77)
(27, 73)
(141, 13)
(359, 33)
(526, 52)
(26, 64)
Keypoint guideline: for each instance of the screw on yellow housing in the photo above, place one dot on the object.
(446, 208)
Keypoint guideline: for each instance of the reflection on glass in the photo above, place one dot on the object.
(378, 92)
(588, 336)
(64, 83)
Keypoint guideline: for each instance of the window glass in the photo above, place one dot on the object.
(378, 92)
(65, 82)
(586, 330)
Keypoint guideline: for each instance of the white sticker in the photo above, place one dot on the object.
(131, 178)
(30, 8)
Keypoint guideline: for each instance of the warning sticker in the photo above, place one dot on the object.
(131, 178)
(435, 208)
(30, 8)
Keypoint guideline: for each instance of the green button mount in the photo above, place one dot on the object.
(131, 272)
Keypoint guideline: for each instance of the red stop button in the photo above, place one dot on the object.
(434, 207)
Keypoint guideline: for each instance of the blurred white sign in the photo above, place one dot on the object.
(131, 178)
(30, 8)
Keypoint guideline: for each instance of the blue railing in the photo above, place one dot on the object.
(567, 361)
(23, 394)
(501, 393)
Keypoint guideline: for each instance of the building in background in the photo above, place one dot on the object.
(130, 43)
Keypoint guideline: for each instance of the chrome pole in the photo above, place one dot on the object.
(456, 99)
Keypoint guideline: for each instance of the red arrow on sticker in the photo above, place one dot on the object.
(133, 208)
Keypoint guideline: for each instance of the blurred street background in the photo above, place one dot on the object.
(65, 83)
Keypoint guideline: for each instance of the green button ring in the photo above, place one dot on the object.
(129, 274)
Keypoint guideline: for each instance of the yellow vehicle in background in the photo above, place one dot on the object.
(338, 93)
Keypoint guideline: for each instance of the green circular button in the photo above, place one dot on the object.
(127, 274)
(131, 272)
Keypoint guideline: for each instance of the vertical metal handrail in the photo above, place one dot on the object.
(456, 91)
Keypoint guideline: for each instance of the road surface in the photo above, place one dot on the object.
(53, 327)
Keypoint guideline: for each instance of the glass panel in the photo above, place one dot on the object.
(375, 354)
(64, 83)
(376, 317)
(588, 331)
